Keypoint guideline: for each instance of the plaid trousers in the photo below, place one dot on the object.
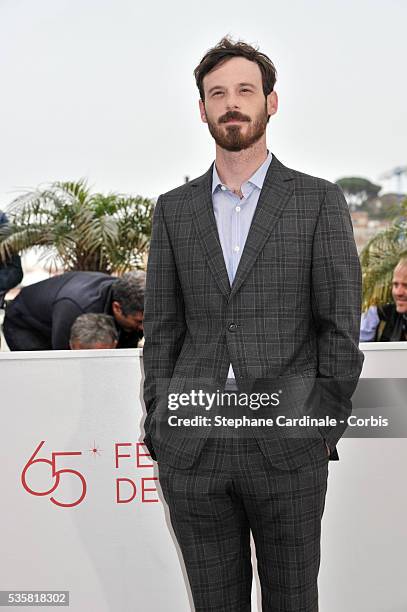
(233, 489)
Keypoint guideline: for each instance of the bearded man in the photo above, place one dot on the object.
(253, 275)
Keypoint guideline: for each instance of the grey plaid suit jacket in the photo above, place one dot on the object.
(293, 309)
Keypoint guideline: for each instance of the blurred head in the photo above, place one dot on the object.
(128, 301)
(235, 83)
(399, 285)
(93, 331)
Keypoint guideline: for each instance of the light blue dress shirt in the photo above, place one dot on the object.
(368, 324)
(234, 216)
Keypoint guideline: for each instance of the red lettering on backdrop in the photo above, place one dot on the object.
(123, 495)
(140, 454)
(120, 500)
(55, 474)
(116, 451)
(144, 489)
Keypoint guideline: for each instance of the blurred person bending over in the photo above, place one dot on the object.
(41, 316)
(388, 322)
(93, 331)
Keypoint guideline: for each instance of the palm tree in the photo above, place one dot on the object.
(379, 257)
(78, 230)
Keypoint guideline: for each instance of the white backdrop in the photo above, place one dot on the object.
(111, 546)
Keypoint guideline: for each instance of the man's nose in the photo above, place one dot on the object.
(232, 101)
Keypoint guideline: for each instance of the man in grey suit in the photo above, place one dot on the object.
(253, 281)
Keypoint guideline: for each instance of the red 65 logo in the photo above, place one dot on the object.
(56, 473)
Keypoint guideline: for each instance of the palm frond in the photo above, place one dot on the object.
(81, 230)
(378, 260)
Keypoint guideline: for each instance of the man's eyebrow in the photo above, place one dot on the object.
(215, 87)
(239, 84)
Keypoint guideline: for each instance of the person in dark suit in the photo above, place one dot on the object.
(253, 279)
(41, 316)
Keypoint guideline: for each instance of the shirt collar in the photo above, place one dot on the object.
(257, 179)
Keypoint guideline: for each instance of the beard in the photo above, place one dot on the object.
(232, 138)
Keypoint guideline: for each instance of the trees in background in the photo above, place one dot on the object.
(79, 230)
(358, 191)
(363, 195)
(379, 257)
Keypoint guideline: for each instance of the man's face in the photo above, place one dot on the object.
(235, 107)
(399, 288)
(130, 322)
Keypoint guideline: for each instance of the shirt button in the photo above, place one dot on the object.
(237, 209)
(232, 327)
(223, 187)
(236, 248)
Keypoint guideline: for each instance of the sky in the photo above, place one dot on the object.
(104, 89)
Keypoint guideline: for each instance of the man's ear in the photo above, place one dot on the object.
(117, 309)
(202, 111)
(272, 103)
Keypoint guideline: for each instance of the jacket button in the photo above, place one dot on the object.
(232, 327)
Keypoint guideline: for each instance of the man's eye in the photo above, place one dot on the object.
(217, 93)
(245, 89)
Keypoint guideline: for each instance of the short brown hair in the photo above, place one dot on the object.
(226, 49)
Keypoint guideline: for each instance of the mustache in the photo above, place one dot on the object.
(233, 115)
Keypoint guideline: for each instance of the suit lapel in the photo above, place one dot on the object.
(277, 189)
(205, 224)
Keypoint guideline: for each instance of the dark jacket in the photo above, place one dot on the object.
(293, 311)
(51, 306)
(11, 272)
(392, 326)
